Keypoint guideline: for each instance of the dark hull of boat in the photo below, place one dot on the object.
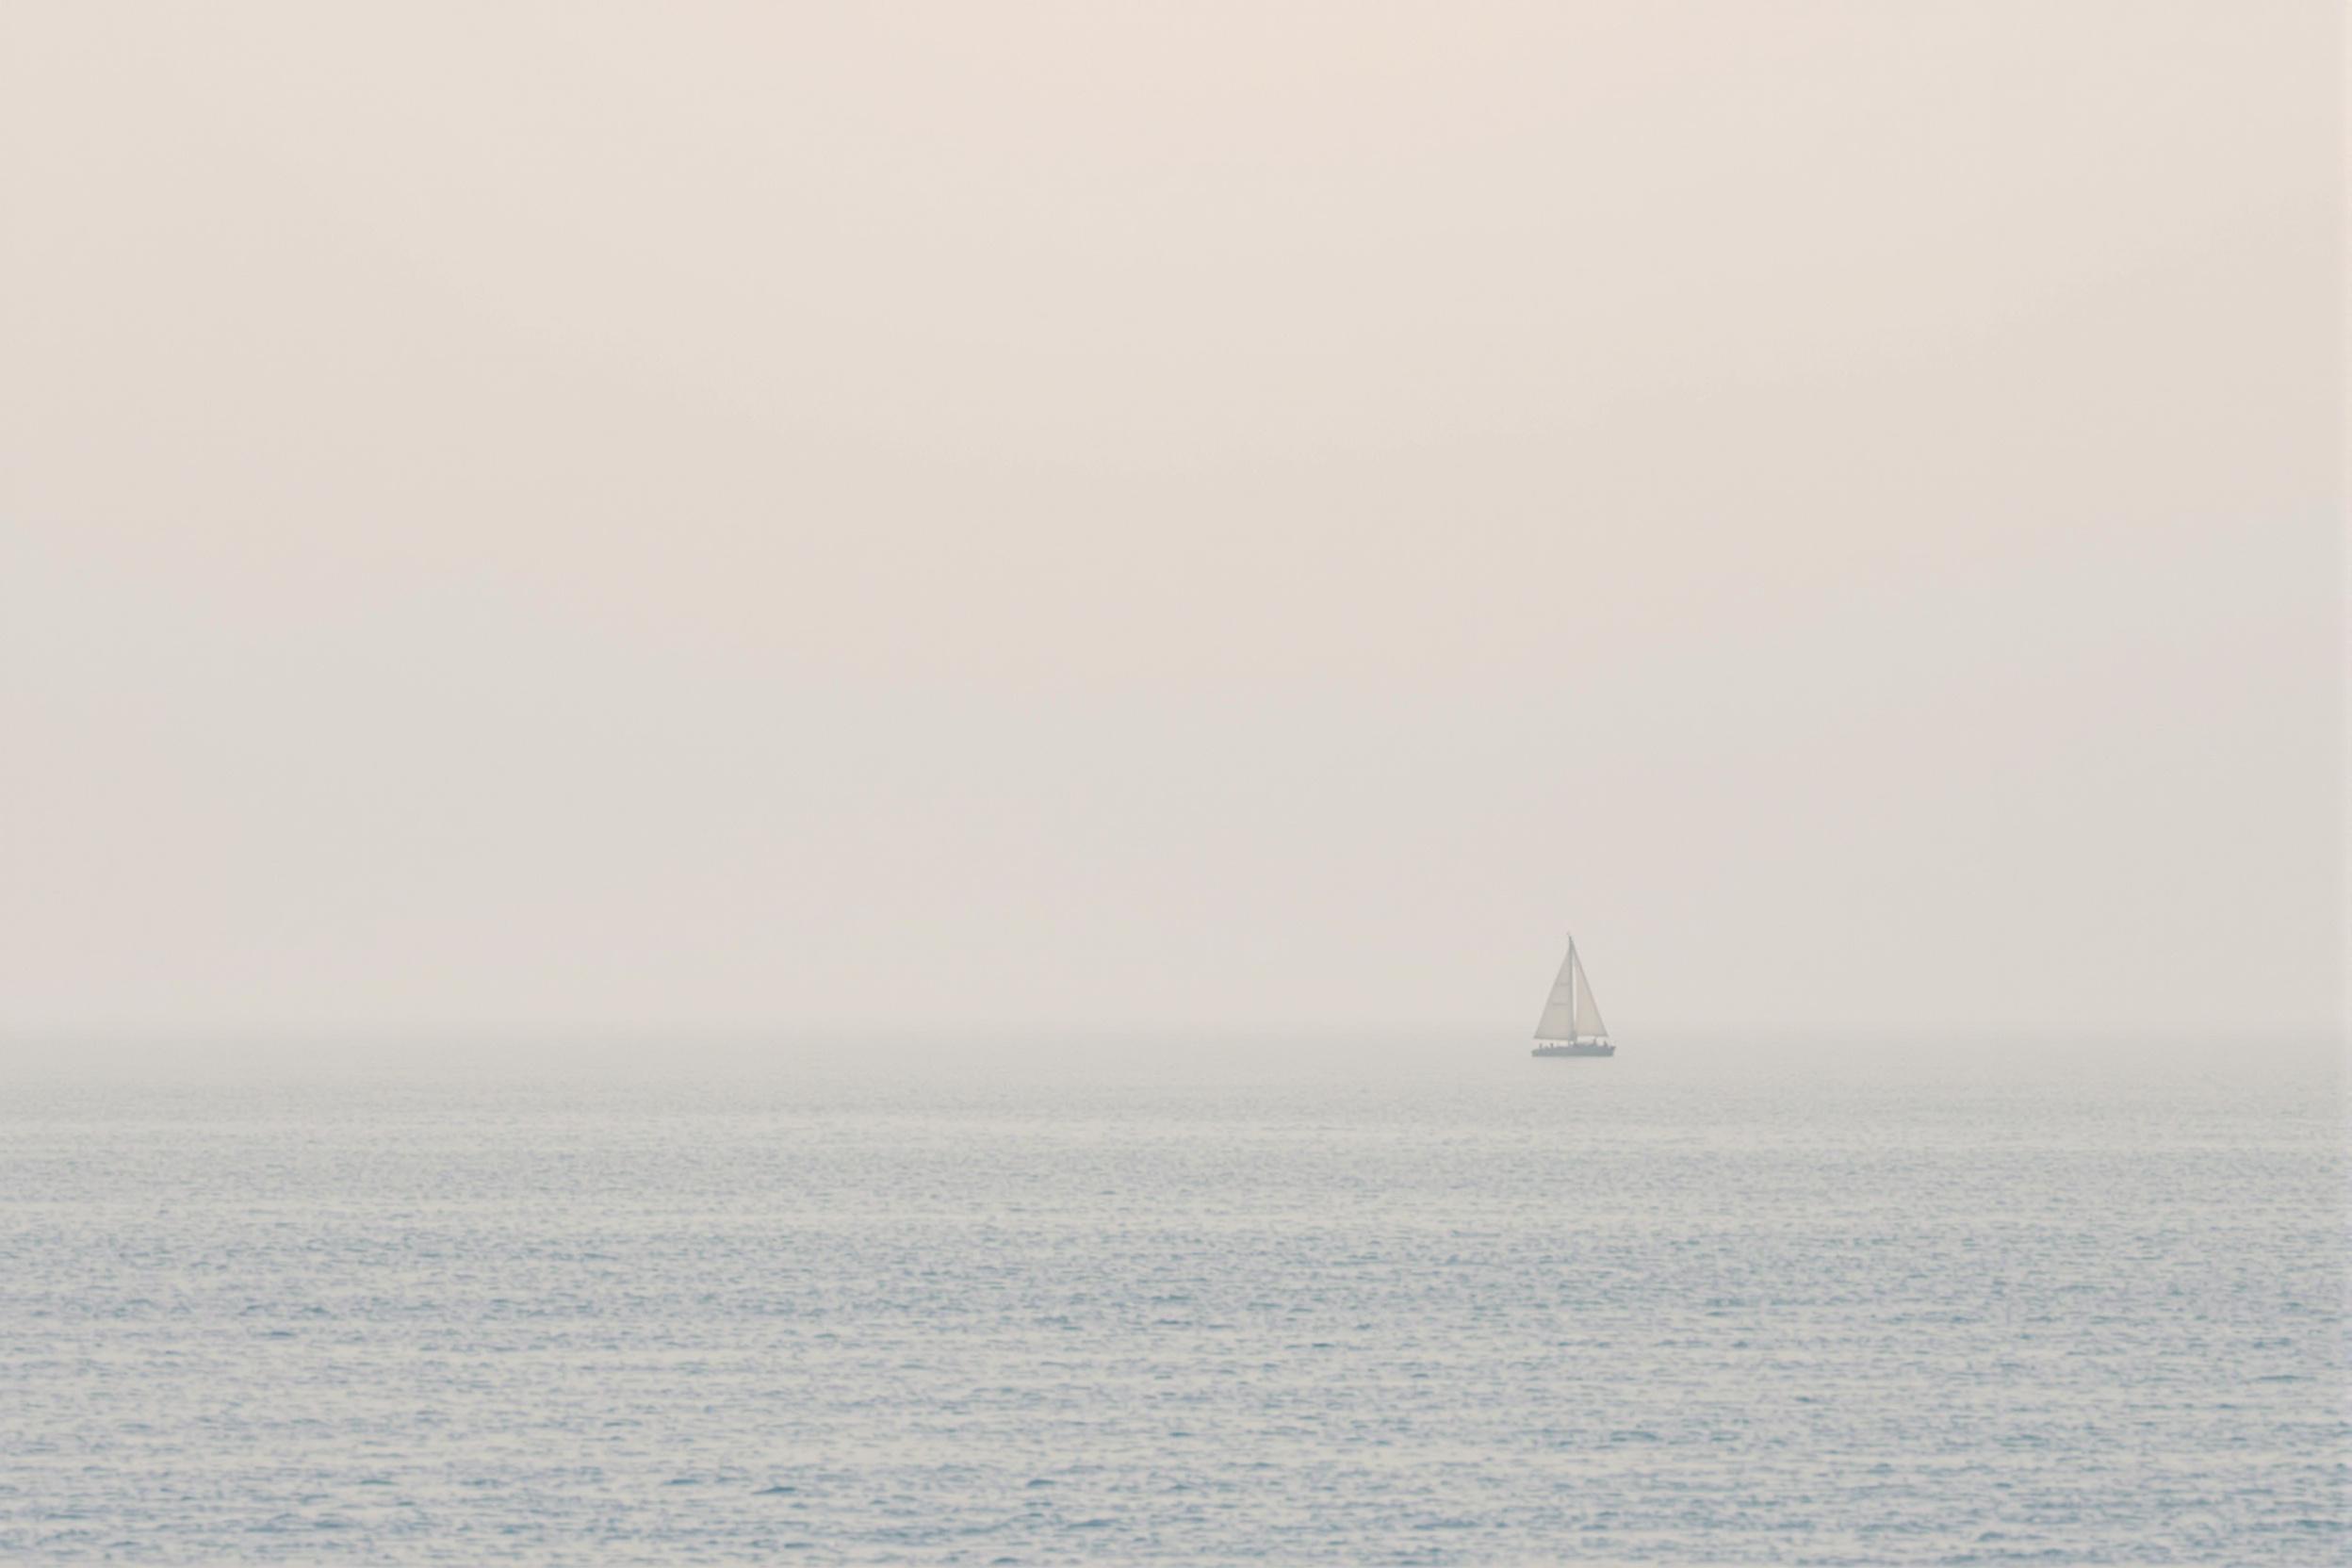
(1574, 1051)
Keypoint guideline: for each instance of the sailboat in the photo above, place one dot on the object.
(1571, 1024)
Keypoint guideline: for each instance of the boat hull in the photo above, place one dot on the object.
(1579, 1049)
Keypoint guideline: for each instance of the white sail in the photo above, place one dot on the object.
(1559, 1022)
(1588, 1011)
(1570, 1013)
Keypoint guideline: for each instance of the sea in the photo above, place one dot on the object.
(1415, 1300)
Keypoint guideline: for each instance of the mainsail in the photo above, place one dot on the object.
(1570, 1013)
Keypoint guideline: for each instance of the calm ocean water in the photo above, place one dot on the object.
(1425, 1303)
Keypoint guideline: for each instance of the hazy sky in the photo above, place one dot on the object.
(977, 517)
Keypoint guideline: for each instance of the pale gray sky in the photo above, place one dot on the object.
(1243, 515)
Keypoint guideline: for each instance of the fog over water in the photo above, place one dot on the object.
(793, 782)
(1216, 517)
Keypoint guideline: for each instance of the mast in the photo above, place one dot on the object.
(1575, 984)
